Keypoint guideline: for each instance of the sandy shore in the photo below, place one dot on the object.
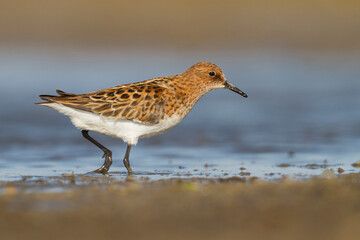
(79, 207)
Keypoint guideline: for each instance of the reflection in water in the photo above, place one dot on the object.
(303, 105)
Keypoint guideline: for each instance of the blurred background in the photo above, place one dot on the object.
(299, 62)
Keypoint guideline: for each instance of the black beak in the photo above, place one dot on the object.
(234, 89)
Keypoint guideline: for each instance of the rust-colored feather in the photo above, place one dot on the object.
(149, 101)
(141, 102)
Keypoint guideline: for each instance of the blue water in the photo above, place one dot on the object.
(306, 103)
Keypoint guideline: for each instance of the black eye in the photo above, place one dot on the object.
(212, 74)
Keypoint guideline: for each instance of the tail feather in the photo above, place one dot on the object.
(63, 94)
(48, 98)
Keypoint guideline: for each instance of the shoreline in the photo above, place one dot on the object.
(176, 209)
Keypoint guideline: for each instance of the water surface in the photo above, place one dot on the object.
(303, 109)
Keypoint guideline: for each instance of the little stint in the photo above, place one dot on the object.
(138, 110)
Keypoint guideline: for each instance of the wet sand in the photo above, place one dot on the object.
(90, 207)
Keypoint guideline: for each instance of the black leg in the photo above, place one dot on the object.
(126, 159)
(107, 154)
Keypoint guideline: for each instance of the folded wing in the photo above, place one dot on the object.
(143, 103)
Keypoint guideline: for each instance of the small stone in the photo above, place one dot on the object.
(245, 174)
(328, 174)
(356, 164)
(284, 165)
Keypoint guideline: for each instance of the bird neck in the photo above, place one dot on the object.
(188, 91)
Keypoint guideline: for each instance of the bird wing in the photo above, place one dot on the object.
(141, 102)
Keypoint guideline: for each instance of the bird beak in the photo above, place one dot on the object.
(231, 87)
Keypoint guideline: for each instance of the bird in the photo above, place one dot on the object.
(138, 110)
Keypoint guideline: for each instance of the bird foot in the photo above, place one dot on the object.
(127, 165)
(106, 166)
(102, 170)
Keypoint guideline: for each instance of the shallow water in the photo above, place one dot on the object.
(302, 109)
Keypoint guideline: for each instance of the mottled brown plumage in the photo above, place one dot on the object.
(138, 110)
(149, 101)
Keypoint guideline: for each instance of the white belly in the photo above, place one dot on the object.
(126, 130)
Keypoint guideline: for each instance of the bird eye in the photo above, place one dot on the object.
(212, 74)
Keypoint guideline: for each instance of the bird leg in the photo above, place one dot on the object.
(107, 154)
(126, 159)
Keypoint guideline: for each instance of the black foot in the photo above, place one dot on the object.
(107, 154)
(101, 170)
(127, 165)
(126, 159)
(106, 166)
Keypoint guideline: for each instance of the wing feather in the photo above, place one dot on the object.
(141, 102)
